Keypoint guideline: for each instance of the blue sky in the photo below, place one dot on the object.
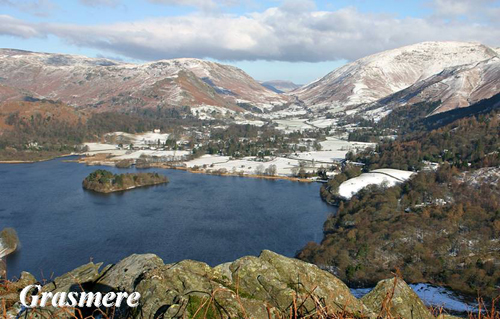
(291, 39)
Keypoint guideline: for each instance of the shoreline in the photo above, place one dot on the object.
(277, 177)
(85, 160)
(124, 189)
(38, 161)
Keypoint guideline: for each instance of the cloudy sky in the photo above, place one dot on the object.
(297, 40)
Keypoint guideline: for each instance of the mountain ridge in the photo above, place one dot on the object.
(453, 74)
(106, 84)
(377, 76)
(454, 87)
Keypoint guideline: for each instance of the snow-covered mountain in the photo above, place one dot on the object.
(280, 86)
(106, 84)
(454, 87)
(380, 75)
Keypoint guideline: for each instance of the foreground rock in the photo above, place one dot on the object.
(394, 298)
(250, 285)
(267, 286)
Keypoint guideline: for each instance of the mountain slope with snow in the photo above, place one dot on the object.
(107, 84)
(454, 87)
(377, 76)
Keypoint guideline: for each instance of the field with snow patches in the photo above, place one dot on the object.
(321, 156)
(207, 160)
(334, 144)
(250, 122)
(322, 122)
(296, 124)
(101, 148)
(246, 165)
(333, 151)
(207, 112)
(292, 125)
(178, 155)
(387, 176)
(143, 139)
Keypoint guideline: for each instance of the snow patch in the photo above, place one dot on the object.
(385, 176)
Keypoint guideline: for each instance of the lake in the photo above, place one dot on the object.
(213, 219)
(209, 218)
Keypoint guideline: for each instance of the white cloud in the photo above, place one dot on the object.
(17, 28)
(478, 10)
(100, 3)
(294, 32)
(41, 8)
(193, 3)
(207, 5)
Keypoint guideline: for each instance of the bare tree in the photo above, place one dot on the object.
(271, 170)
(259, 170)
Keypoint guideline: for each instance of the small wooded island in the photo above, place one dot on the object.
(103, 181)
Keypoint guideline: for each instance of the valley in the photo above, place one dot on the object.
(404, 146)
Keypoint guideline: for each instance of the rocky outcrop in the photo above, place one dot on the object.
(394, 298)
(255, 285)
(269, 285)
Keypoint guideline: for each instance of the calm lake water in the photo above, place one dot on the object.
(208, 218)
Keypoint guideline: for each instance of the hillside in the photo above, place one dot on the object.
(280, 86)
(104, 84)
(454, 87)
(378, 76)
(441, 226)
(12, 111)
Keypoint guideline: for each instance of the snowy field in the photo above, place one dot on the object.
(387, 176)
(292, 125)
(143, 139)
(291, 111)
(175, 155)
(334, 144)
(246, 165)
(97, 147)
(101, 148)
(333, 150)
(322, 122)
(250, 122)
(321, 156)
(377, 114)
(207, 112)
(207, 160)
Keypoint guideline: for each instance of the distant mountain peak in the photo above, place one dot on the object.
(280, 86)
